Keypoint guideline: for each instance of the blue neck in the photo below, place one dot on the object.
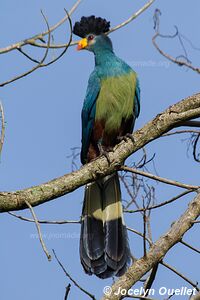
(103, 57)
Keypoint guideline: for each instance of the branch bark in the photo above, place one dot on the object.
(39, 36)
(184, 110)
(157, 251)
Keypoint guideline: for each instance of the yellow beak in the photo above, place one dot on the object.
(82, 44)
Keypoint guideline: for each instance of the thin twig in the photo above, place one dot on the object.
(44, 221)
(161, 179)
(38, 230)
(59, 56)
(190, 123)
(150, 279)
(39, 36)
(163, 203)
(195, 285)
(129, 191)
(158, 250)
(180, 132)
(28, 56)
(189, 246)
(38, 65)
(142, 161)
(69, 276)
(177, 61)
(171, 296)
(144, 229)
(32, 40)
(67, 291)
(195, 155)
(2, 137)
(140, 234)
(135, 15)
(67, 45)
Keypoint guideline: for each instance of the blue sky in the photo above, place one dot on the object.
(42, 114)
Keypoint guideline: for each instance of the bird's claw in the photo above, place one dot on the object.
(130, 136)
(126, 137)
(105, 153)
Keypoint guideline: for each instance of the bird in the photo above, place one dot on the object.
(110, 107)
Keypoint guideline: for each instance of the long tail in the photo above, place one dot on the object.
(104, 248)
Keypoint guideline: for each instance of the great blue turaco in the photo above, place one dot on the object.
(111, 105)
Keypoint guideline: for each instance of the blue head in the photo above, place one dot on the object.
(93, 32)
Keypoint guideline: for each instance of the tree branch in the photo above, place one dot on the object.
(74, 281)
(177, 60)
(38, 65)
(135, 15)
(39, 231)
(39, 36)
(161, 179)
(126, 22)
(195, 285)
(157, 251)
(45, 221)
(41, 63)
(2, 135)
(67, 291)
(184, 110)
(160, 204)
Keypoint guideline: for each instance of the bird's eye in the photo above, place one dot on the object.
(90, 37)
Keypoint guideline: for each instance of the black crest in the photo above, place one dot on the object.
(91, 25)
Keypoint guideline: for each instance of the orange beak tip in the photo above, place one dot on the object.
(78, 48)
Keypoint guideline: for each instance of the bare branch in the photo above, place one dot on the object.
(161, 204)
(67, 291)
(140, 234)
(196, 222)
(28, 56)
(66, 47)
(190, 123)
(39, 36)
(38, 65)
(134, 16)
(44, 221)
(161, 179)
(177, 61)
(144, 229)
(133, 199)
(180, 132)
(195, 155)
(2, 136)
(195, 285)
(74, 281)
(39, 231)
(149, 282)
(189, 246)
(157, 250)
(59, 56)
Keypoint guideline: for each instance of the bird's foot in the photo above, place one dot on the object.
(126, 137)
(130, 136)
(104, 152)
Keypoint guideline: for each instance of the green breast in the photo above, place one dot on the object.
(116, 100)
